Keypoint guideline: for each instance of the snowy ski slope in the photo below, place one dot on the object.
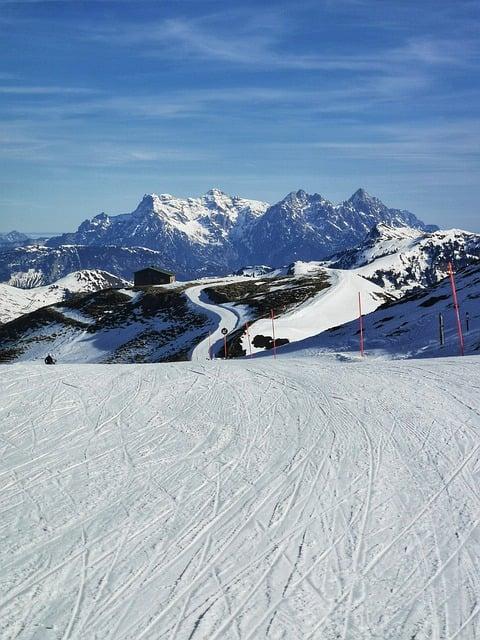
(329, 308)
(409, 328)
(295, 499)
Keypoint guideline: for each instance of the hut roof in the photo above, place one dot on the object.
(157, 269)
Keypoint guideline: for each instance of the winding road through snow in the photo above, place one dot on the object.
(223, 316)
(331, 307)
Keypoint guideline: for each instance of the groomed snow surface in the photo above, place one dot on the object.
(295, 499)
(331, 307)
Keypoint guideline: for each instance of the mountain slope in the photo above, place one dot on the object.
(15, 302)
(37, 265)
(309, 227)
(294, 499)
(154, 324)
(409, 328)
(158, 218)
(402, 260)
(13, 239)
(115, 325)
(195, 235)
(328, 308)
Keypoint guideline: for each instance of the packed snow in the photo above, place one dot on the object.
(331, 307)
(297, 498)
(410, 328)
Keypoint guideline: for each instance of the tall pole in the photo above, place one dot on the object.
(248, 338)
(360, 320)
(457, 309)
(441, 327)
(225, 351)
(273, 333)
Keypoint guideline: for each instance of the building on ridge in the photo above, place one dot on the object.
(151, 276)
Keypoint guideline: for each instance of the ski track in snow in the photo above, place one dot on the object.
(296, 498)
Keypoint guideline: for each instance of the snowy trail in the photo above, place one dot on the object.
(223, 316)
(333, 306)
(296, 498)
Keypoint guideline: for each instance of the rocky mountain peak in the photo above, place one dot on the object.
(362, 200)
(217, 233)
(150, 200)
(295, 197)
(216, 193)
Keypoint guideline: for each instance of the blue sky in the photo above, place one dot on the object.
(102, 101)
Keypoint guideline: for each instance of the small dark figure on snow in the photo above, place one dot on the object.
(50, 360)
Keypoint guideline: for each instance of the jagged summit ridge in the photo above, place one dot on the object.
(310, 227)
(217, 233)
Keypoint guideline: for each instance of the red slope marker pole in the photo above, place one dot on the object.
(360, 320)
(457, 309)
(248, 338)
(273, 333)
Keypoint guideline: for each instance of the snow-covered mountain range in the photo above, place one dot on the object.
(308, 298)
(38, 265)
(205, 220)
(217, 234)
(15, 302)
(397, 255)
(309, 227)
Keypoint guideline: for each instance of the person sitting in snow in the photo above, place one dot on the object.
(50, 360)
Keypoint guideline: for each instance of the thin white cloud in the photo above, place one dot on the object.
(264, 43)
(441, 146)
(42, 90)
(371, 94)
